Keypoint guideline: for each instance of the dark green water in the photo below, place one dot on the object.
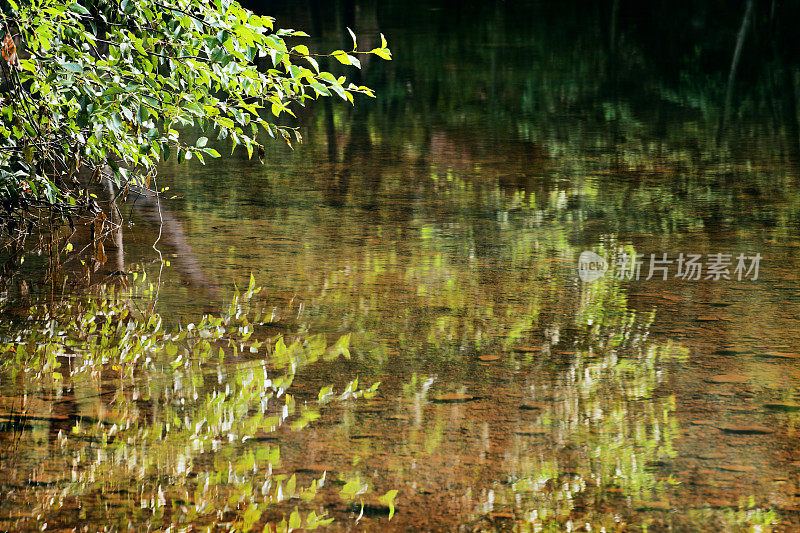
(440, 226)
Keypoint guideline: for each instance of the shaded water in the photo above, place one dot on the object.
(440, 226)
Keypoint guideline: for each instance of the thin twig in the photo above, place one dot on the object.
(160, 257)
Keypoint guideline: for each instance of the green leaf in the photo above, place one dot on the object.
(143, 114)
(137, 44)
(114, 89)
(73, 67)
(165, 71)
(224, 121)
(327, 76)
(314, 63)
(194, 109)
(77, 8)
(116, 122)
(339, 90)
(342, 57)
(383, 53)
(320, 89)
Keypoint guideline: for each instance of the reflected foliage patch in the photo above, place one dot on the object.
(101, 403)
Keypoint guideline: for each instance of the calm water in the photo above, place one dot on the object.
(440, 226)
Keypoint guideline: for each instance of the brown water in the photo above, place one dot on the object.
(440, 226)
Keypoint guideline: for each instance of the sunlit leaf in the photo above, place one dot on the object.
(342, 57)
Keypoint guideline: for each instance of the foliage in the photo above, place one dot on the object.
(187, 416)
(98, 82)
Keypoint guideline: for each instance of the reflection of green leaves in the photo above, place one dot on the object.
(353, 488)
(341, 347)
(350, 392)
(388, 500)
(295, 522)
(290, 488)
(325, 394)
(313, 521)
(204, 439)
(250, 517)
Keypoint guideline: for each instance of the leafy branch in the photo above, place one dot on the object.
(92, 83)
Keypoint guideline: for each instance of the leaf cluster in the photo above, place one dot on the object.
(105, 87)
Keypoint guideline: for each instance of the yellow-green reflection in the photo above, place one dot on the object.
(439, 226)
(110, 419)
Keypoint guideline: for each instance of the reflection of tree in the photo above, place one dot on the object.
(571, 426)
(547, 106)
(163, 428)
(440, 225)
(451, 265)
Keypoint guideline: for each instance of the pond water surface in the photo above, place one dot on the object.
(440, 226)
